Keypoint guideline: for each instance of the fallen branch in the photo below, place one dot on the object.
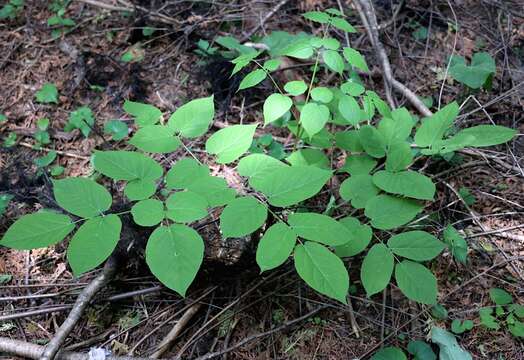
(33, 351)
(369, 19)
(81, 303)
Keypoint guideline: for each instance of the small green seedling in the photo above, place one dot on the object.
(506, 313)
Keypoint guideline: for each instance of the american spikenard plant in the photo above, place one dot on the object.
(383, 188)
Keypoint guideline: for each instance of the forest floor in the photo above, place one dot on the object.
(134, 313)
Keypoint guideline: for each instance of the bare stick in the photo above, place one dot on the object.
(33, 351)
(24, 314)
(367, 14)
(176, 330)
(81, 303)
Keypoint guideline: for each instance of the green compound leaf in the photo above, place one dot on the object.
(174, 255)
(372, 141)
(193, 118)
(144, 114)
(254, 78)
(93, 242)
(360, 238)
(354, 58)
(388, 212)
(275, 106)
(126, 165)
(333, 60)
(47, 94)
(500, 296)
(416, 245)
(184, 173)
(487, 135)
(376, 269)
(389, 353)
(140, 189)
(186, 207)
(416, 282)
(275, 247)
(306, 157)
(434, 127)
(319, 228)
(317, 16)
(289, 185)
(313, 117)
(295, 88)
(408, 183)
(242, 216)
(230, 143)
(322, 270)
(359, 164)
(399, 156)
(81, 196)
(358, 189)
(213, 189)
(456, 243)
(148, 212)
(155, 139)
(37, 230)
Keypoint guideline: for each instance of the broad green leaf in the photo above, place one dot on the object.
(434, 127)
(500, 296)
(140, 189)
(389, 212)
(376, 269)
(192, 119)
(389, 353)
(295, 88)
(416, 282)
(360, 238)
(45, 160)
(82, 119)
(421, 350)
(254, 78)
(319, 228)
(476, 75)
(460, 326)
(148, 212)
(144, 114)
(449, 348)
(408, 183)
(300, 50)
(174, 255)
(416, 245)
(184, 172)
(343, 25)
(242, 216)
(333, 60)
(322, 270)
(93, 242)
(275, 106)
(317, 16)
(380, 105)
(186, 207)
(155, 139)
(126, 165)
(399, 156)
(516, 328)
(456, 243)
(256, 166)
(349, 140)
(305, 157)
(117, 129)
(352, 88)
(37, 230)
(290, 185)
(81, 196)
(488, 135)
(230, 143)
(358, 189)
(487, 319)
(275, 246)
(372, 141)
(322, 94)
(359, 164)
(354, 58)
(404, 123)
(213, 189)
(271, 64)
(313, 117)
(47, 94)
(349, 109)
(323, 139)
